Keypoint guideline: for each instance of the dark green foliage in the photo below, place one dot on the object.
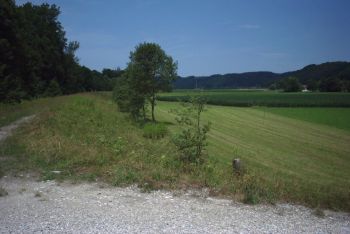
(330, 85)
(312, 85)
(232, 80)
(149, 71)
(121, 93)
(154, 130)
(191, 141)
(53, 89)
(341, 70)
(36, 57)
(127, 96)
(111, 73)
(11, 54)
(290, 84)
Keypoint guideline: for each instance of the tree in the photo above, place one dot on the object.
(291, 84)
(330, 84)
(151, 70)
(127, 97)
(11, 65)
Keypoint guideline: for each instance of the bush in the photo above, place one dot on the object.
(191, 142)
(154, 130)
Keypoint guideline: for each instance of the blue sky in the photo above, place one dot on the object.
(210, 37)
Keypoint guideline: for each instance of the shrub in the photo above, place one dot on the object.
(154, 130)
(191, 141)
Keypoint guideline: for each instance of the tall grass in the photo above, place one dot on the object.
(154, 130)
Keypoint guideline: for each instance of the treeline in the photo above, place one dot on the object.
(37, 59)
(227, 81)
(327, 77)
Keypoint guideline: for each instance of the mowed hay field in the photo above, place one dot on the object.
(86, 138)
(333, 116)
(307, 161)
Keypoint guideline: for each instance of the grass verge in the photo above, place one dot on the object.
(84, 137)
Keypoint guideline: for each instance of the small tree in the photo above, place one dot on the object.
(191, 141)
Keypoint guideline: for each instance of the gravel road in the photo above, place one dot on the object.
(49, 207)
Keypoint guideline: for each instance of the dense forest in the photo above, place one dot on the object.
(37, 60)
(332, 76)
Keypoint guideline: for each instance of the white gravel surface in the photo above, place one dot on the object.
(49, 207)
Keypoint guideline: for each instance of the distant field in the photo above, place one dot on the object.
(246, 98)
(335, 117)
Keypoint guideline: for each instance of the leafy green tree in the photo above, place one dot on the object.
(151, 70)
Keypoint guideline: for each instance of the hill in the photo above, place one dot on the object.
(263, 79)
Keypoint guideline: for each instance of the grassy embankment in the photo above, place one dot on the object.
(85, 137)
(246, 98)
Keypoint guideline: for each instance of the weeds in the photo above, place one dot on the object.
(154, 130)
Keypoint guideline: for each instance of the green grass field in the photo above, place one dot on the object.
(246, 98)
(334, 117)
(85, 137)
(304, 158)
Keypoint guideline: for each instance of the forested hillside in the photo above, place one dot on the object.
(332, 76)
(36, 57)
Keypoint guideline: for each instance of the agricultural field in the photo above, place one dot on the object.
(246, 98)
(330, 116)
(286, 158)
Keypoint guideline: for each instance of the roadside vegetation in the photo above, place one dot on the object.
(86, 137)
